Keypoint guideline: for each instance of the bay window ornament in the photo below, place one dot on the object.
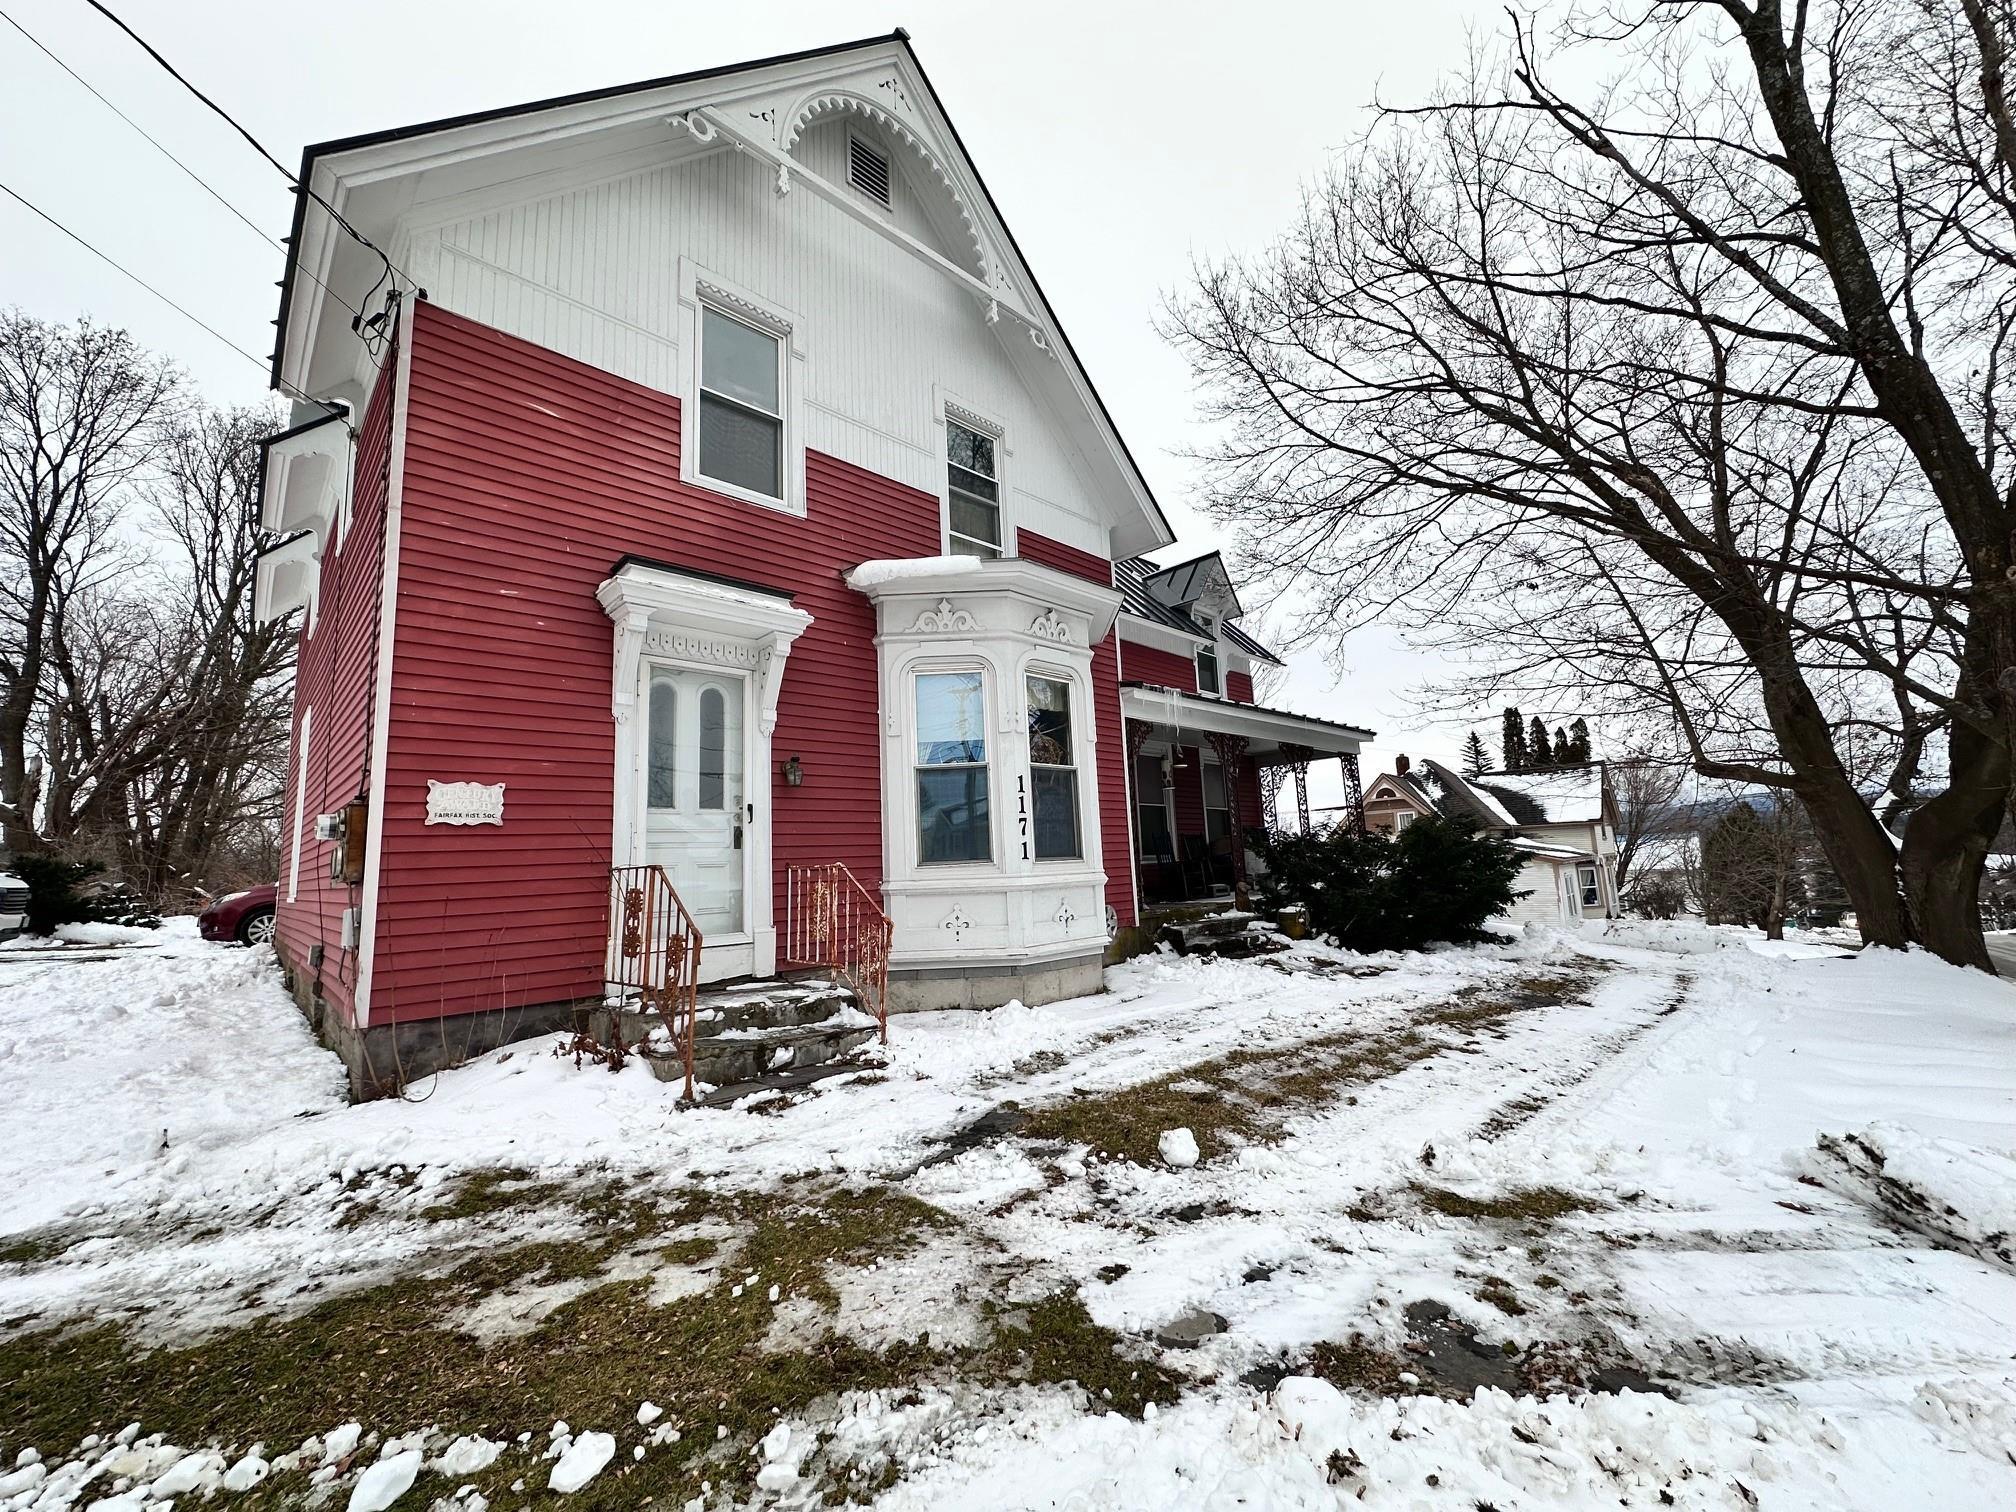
(1050, 625)
(945, 619)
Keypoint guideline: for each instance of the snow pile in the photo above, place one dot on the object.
(142, 1063)
(1938, 1186)
(1178, 1148)
(581, 1462)
(903, 569)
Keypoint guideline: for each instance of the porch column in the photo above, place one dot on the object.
(1354, 794)
(1297, 758)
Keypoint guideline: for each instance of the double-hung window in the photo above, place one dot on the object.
(972, 493)
(1151, 811)
(1207, 666)
(1217, 807)
(1053, 769)
(952, 814)
(1591, 895)
(741, 405)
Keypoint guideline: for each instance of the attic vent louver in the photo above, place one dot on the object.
(868, 170)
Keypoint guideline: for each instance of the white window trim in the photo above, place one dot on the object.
(300, 802)
(699, 287)
(1217, 667)
(992, 724)
(886, 207)
(1078, 692)
(1229, 808)
(948, 406)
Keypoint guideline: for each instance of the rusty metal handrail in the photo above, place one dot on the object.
(832, 922)
(654, 951)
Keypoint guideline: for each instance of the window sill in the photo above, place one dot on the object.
(729, 491)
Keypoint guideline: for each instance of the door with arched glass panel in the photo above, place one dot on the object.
(695, 805)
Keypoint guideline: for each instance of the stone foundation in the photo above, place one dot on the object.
(384, 1059)
(989, 986)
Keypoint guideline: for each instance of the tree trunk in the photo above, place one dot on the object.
(1946, 845)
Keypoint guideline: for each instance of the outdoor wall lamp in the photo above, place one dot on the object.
(794, 773)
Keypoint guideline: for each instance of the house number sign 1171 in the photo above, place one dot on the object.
(1022, 812)
(465, 802)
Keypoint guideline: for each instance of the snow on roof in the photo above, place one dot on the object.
(1550, 852)
(1572, 795)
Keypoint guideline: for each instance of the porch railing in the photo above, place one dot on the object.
(834, 923)
(654, 953)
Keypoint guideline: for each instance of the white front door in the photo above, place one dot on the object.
(696, 812)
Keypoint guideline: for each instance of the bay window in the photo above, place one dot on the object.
(953, 822)
(741, 405)
(1053, 769)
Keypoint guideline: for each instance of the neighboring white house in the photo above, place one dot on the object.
(1564, 820)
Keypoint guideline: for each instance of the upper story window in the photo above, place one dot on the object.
(741, 405)
(953, 823)
(1053, 769)
(1207, 670)
(972, 493)
(868, 170)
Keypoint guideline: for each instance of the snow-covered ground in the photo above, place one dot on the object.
(1753, 1199)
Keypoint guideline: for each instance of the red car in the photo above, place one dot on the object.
(246, 917)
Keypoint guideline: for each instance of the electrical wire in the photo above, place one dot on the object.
(122, 268)
(194, 176)
(224, 115)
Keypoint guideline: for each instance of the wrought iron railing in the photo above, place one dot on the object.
(832, 922)
(654, 953)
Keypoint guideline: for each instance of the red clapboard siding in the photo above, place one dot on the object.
(1114, 828)
(527, 476)
(335, 678)
(1164, 669)
(1239, 687)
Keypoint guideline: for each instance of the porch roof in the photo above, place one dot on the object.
(1192, 713)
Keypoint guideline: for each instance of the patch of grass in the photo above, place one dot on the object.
(1249, 1094)
(34, 1249)
(481, 1193)
(1521, 1204)
(1497, 1291)
(1357, 1365)
(1055, 1341)
(391, 1356)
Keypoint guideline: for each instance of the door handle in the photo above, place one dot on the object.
(752, 811)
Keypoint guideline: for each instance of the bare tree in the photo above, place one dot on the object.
(1646, 790)
(81, 410)
(1687, 391)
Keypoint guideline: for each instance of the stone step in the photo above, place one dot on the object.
(727, 1059)
(733, 1009)
(1225, 934)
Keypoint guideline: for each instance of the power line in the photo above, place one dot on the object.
(194, 176)
(257, 146)
(120, 267)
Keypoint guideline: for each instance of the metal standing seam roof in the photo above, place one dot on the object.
(1131, 578)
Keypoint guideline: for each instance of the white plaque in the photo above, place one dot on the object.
(465, 802)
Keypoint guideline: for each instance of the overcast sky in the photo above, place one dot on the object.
(1120, 141)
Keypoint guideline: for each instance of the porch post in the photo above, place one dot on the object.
(1298, 758)
(1354, 794)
